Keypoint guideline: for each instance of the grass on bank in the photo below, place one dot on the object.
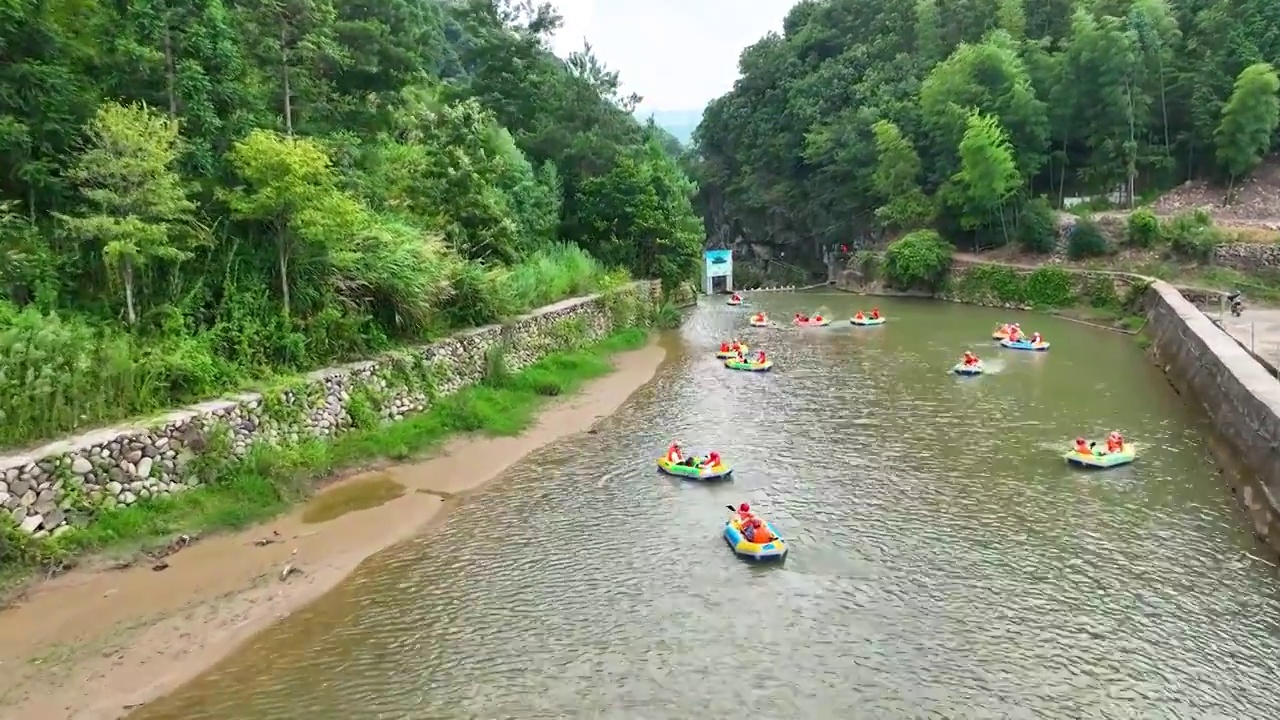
(65, 371)
(1264, 288)
(239, 493)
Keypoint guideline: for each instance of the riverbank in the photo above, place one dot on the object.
(233, 461)
(94, 644)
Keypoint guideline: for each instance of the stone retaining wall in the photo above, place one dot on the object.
(52, 488)
(1248, 257)
(1085, 285)
(966, 284)
(1238, 394)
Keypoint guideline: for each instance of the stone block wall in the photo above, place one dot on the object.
(1248, 257)
(47, 490)
(1006, 286)
(1025, 288)
(1238, 395)
(966, 284)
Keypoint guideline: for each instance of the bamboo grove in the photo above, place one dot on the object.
(976, 116)
(199, 193)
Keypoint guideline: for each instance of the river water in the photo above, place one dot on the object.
(945, 562)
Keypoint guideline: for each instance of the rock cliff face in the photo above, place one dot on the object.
(47, 490)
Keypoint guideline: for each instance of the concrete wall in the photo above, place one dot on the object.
(1238, 394)
(52, 488)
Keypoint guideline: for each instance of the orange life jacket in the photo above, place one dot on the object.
(1083, 449)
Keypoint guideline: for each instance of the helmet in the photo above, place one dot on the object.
(744, 507)
(1080, 440)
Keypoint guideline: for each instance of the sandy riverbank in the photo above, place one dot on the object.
(93, 645)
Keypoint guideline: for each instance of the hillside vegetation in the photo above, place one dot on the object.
(975, 117)
(197, 193)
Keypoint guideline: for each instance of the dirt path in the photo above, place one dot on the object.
(95, 645)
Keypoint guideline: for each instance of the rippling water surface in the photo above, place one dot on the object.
(945, 563)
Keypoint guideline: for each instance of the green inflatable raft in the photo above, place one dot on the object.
(1099, 459)
(748, 366)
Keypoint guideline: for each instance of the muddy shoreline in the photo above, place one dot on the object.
(96, 644)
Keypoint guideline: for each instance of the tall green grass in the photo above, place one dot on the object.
(60, 373)
(238, 493)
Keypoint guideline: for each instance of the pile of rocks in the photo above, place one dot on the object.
(45, 490)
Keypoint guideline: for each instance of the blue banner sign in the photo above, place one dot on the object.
(719, 263)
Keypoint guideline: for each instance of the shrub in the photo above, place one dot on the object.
(59, 374)
(918, 260)
(1144, 228)
(1102, 293)
(1192, 235)
(1037, 227)
(485, 295)
(989, 283)
(1049, 287)
(1086, 240)
(666, 316)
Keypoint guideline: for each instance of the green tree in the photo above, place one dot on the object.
(928, 30)
(988, 175)
(288, 37)
(1249, 120)
(1103, 54)
(1158, 38)
(136, 208)
(290, 187)
(897, 179)
(1012, 18)
(639, 214)
(991, 78)
(918, 260)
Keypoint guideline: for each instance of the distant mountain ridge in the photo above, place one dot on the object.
(680, 123)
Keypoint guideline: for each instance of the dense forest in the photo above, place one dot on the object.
(196, 193)
(870, 117)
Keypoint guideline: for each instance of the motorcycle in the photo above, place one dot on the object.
(1236, 304)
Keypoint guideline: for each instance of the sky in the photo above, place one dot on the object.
(677, 54)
